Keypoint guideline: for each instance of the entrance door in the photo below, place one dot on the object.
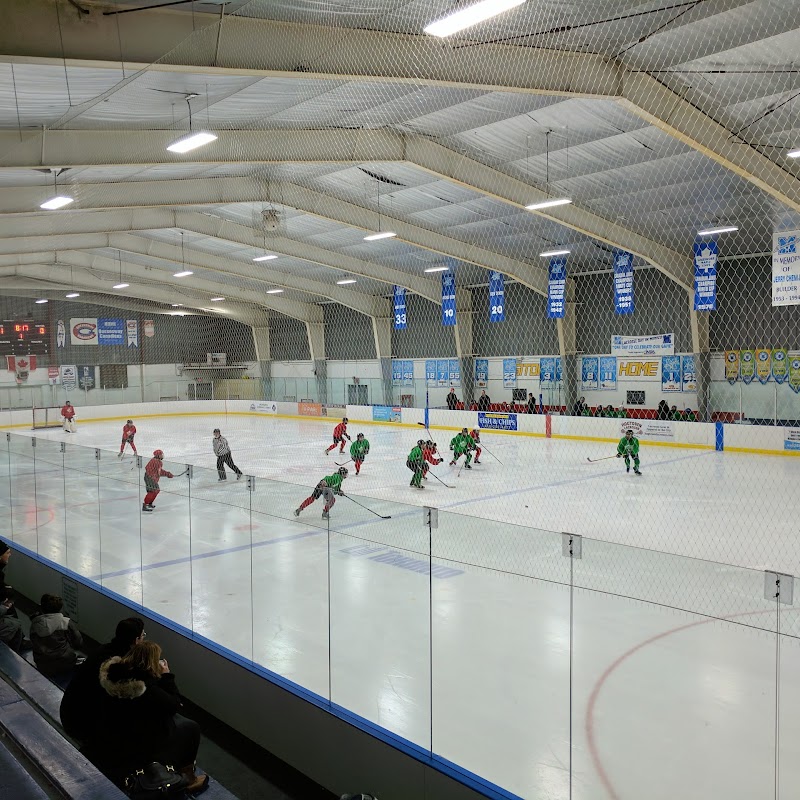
(357, 395)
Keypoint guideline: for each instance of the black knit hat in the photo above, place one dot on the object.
(4, 548)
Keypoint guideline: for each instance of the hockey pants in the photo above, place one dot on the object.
(417, 468)
(326, 493)
(69, 425)
(222, 461)
(628, 462)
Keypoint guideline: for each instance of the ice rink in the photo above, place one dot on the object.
(668, 648)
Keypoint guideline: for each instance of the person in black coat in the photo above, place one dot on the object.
(81, 705)
(531, 403)
(140, 721)
(10, 627)
(452, 399)
(579, 408)
(484, 401)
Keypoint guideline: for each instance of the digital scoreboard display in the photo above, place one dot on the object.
(23, 338)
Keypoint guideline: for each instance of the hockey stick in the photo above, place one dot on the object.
(595, 460)
(430, 436)
(483, 447)
(341, 465)
(365, 507)
(440, 480)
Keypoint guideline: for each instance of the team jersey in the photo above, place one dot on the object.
(461, 442)
(476, 435)
(128, 431)
(333, 481)
(155, 471)
(429, 455)
(68, 412)
(359, 449)
(415, 455)
(340, 430)
(628, 446)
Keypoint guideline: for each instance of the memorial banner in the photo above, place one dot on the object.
(732, 366)
(589, 368)
(747, 365)
(623, 282)
(556, 283)
(763, 365)
(705, 276)
(780, 364)
(786, 269)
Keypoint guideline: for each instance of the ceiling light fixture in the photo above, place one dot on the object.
(723, 229)
(177, 305)
(120, 286)
(436, 269)
(216, 299)
(193, 139)
(547, 253)
(345, 282)
(469, 16)
(274, 291)
(183, 274)
(39, 302)
(72, 295)
(373, 237)
(793, 154)
(560, 201)
(59, 200)
(264, 258)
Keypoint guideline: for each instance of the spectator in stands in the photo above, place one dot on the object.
(531, 403)
(81, 706)
(56, 640)
(484, 401)
(10, 627)
(662, 412)
(452, 400)
(609, 411)
(674, 414)
(473, 406)
(689, 415)
(579, 408)
(598, 411)
(140, 721)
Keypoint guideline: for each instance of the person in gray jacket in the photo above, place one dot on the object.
(222, 451)
(55, 638)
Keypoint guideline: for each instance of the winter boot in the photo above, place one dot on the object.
(197, 782)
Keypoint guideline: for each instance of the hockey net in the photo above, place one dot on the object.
(46, 417)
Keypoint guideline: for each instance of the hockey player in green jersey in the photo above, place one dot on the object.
(416, 463)
(358, 451)
(327, 488)
(462, 444)
(629, 446)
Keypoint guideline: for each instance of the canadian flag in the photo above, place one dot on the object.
(21, 366)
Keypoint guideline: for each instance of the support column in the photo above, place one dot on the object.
(382, 333)
(566, 348)
(465, 351)
(699, 322)
(316, 346)
(264, 358)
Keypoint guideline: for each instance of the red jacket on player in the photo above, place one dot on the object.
(68, 412)
(429, 455)
(476, 435)
(155, 471)
(340, 431)
(128, 430)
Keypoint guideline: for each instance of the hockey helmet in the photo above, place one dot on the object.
(158, 453)
(360, 436)
(420, 442)
(343, 471)
(129, 422)
(216, 430)
(629, 432)
(344, 419)
(464, 430)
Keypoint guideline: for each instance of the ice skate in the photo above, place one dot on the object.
(222, 479)
(119, 455)
(467, 466)
(238, 476)
(636, 470)
(325, 515)
(297, 512)
(146, 507)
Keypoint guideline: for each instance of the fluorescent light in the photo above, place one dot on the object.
(437, 269)
(560, 201)
(41, 301)
(373, 237)
(723, 229)
(71, 295)
(345, 282)
(177, 305)
(472, 15)
(57, 202)
(264, 258)
(793, 154)
(191, 141)
(274, 291)
(182, 274)
(120, 286)
(216, 299)
(554, 253)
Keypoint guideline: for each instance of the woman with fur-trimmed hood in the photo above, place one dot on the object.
(141, 723)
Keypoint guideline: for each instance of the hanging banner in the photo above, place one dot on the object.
(559, 371)
(509, 373)
(83, 331)
(547, 371)
(397, 373)
(794, 372)
(53, 376)
(87, 376)
(132, 331)
(430, 372)
(780, 364)
(497, 312)
(408, 373)
(448, 298)
(662, 344)
(21, 366)
(688, 374)
(455, 372)
(400, 308)
(482, 372)
(763, 365)
(149, 328)
(670, 373)
(623, 282)
(731, 366)
(589, 367)
(69, 377)
(111, 331)
(786, 269)
(747, 365)
(61, 333)
(608, 372)
(705, 276)
(442, 372)
(556, 283)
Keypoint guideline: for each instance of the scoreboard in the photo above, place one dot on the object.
(24, 338)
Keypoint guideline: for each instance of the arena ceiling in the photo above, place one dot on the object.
(336, 119)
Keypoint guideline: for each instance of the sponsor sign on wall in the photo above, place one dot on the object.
(53, 376)
(650, 428)
(69, 377)
(791, 439)
(111, 331)
(497, 422)
(264, 407)
(662, 344)
(306, 409)
(386, 413)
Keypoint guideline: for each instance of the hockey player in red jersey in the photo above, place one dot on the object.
(152, 473)
(476, 435)
(339, 435)
(429, 456)
(68, 415)
(128, 432)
